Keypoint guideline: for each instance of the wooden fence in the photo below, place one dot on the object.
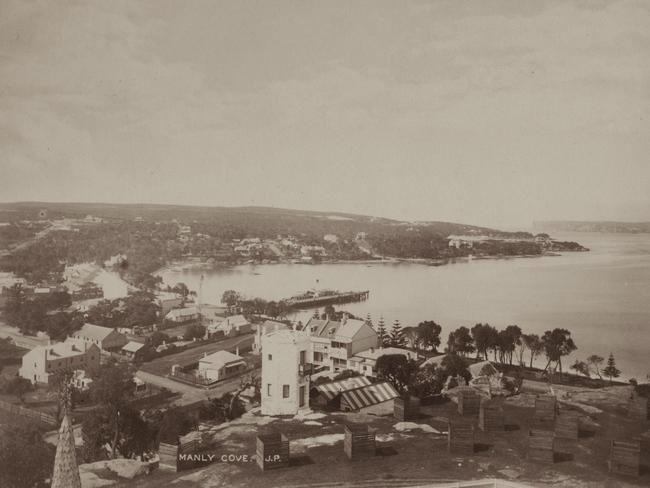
(44, 418)
(625, 458)
(460, 437)
(490, 417)
(541, 445)
(272, 451)
(359, 442)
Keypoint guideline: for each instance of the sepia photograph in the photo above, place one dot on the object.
(325, 243)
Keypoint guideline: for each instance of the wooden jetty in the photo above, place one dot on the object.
(329, 299)
(359, 442)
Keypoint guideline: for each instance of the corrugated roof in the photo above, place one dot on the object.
(335, 388)
(368, 395)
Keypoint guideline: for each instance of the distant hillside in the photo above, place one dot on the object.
(244, 221)
(592, 226)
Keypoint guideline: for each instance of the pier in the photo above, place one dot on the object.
(320, 300)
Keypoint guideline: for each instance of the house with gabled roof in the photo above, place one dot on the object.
(106, 338)
(335, 343)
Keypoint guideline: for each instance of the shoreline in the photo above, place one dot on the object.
(199, 263)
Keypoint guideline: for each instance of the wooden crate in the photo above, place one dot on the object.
(469, 403)
(406, 408)
(490, 416)
(566, 424)
(272, 451)
(168, 454)
(545, 408)
(541, 445)
(637, 408)
(460, 437)
(359, 442)
(625, 458)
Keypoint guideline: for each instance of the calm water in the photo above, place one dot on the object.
(602, 297)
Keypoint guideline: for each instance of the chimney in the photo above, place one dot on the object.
(372, 349)
(205, 354)
(237, 350)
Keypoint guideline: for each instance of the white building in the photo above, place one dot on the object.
(221, 365)
(365, 362)
(334, 343)
(264, 328)
(230, 326)
(285, 372)
(183, 315)
(106, 338)
(42, 362)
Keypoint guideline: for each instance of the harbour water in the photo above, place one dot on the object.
(601, 296)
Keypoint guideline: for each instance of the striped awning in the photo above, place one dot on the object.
(335, 388)
(368, 395)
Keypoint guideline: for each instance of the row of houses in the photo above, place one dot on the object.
(82, 351)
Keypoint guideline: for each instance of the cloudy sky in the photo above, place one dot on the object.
(483, 112)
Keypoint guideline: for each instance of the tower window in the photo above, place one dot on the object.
(285, 391)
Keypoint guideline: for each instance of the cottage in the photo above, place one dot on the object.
(221, 365)
(230, 326)
(365, 362)
(183, 315)
(132, 349)
(43, 362)
(105, 338)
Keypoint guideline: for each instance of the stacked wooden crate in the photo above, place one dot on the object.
(637, 408)
(168, 455)
(272, 450)
(541, 445)
(406, 408)
(625, 458)
(469, 403)
(566, 424)
(359, 442)
(545, 409)
(460, 437)
(490, 417)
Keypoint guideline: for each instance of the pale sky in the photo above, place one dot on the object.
(482, 112)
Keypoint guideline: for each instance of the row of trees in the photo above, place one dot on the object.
(511, 343)
(593, 364)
